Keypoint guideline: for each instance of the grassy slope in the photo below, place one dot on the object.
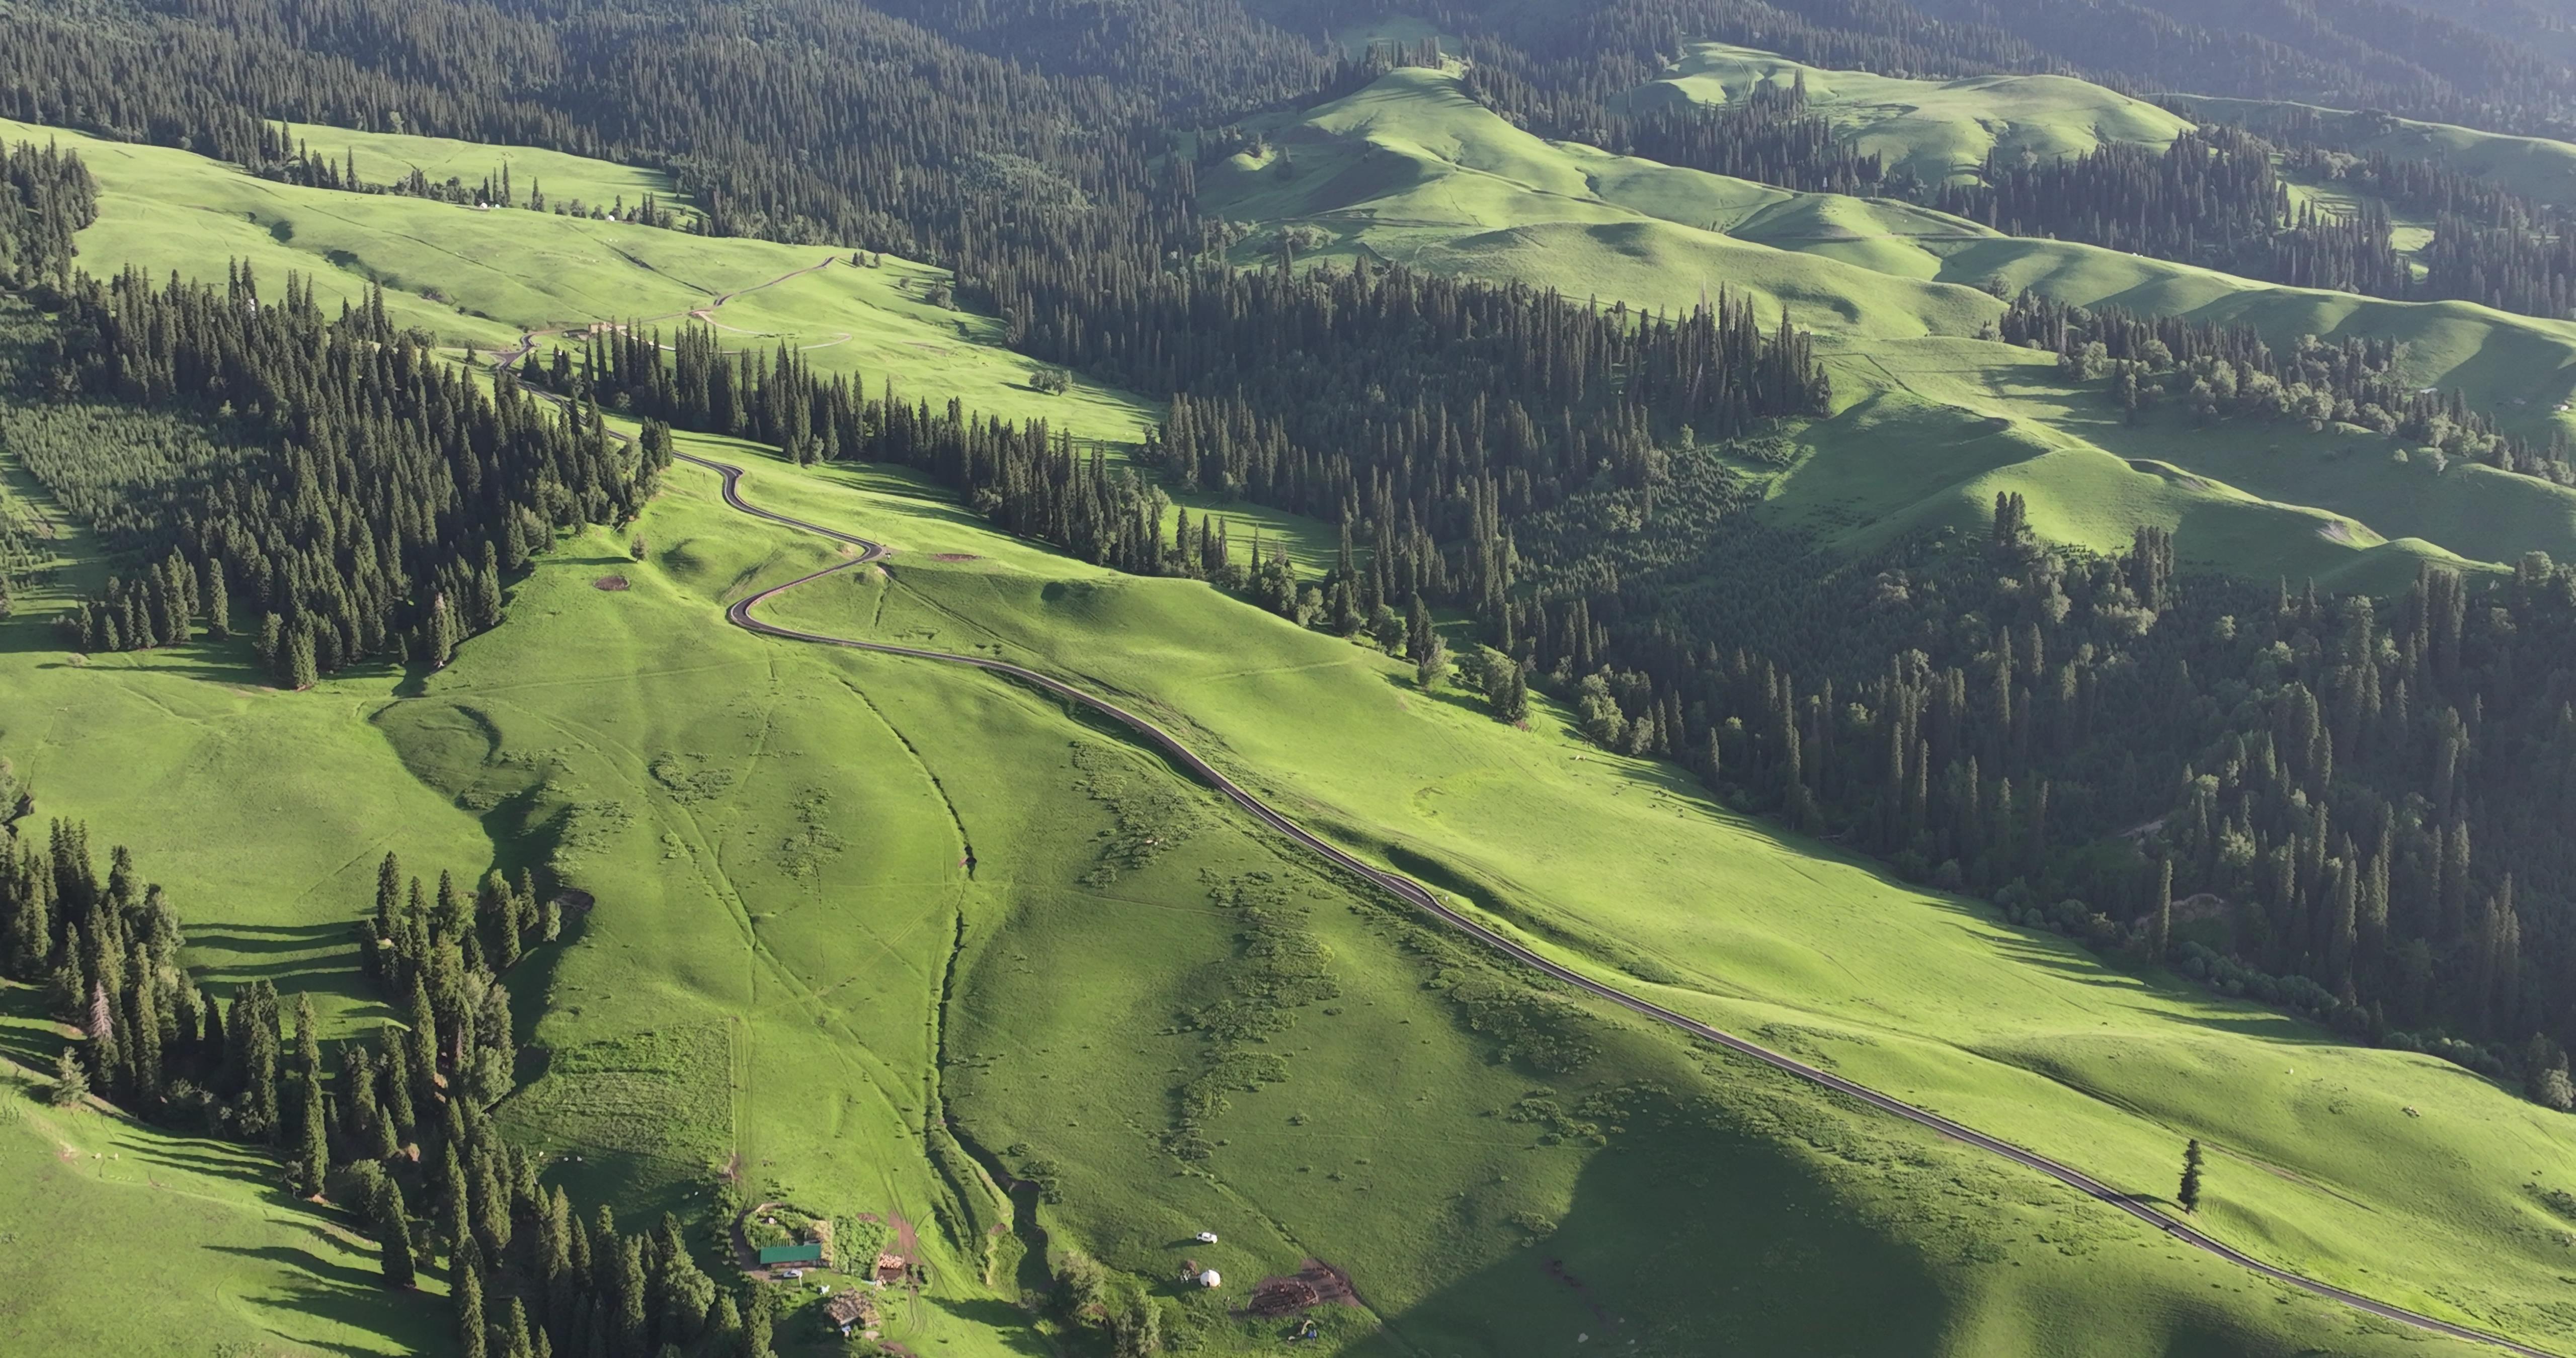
(1623, 868)
(1937, 129)
(774, 833)
(1410, 169)
(778, 896)
(2536, 167)
(123, 1238)
(506, 272)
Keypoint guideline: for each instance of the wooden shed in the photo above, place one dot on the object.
(792, 1256)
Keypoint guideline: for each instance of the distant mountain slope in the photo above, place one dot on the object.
(1412, 170)
(1937, 129)
(2538, 168)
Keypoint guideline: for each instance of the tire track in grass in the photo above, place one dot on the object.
(1415, 894)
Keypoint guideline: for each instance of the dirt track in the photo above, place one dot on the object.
(1420, 897)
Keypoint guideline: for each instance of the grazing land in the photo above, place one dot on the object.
(928, 952)
(1931, 421)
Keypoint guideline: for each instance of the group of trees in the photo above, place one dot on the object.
(418, 1160)
(2221, 371)
(439, 960)
(2306, 800)
(1769, 135)
(1026, 477)
(333, 479)
(393, 1130)
(107, 954)
(46, 195)
(1422, 414)
(290, 159)
(2214, 197)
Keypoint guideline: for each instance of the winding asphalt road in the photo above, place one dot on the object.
(1415, 894)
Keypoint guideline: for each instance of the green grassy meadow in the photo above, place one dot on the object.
(124, 1238)
(2535, 167)
(1936, 129)
(1410, 169)
(790, 970)
(877, 935)
(1624, 868)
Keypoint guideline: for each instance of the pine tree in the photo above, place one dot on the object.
(1431, 666)
(515, 1342)
(465, 1289)
(2162, 942)
(71, 1083)
(393, 1226)
(300, 673)
(313, 1159)
(2189, 1194)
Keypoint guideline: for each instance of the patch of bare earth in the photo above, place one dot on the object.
(610, 583)
(1315, 1283)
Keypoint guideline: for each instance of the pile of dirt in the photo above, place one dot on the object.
(1315, 1283)
(611, 583)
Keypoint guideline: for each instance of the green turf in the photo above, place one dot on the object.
(1620, 866)
(500, 274)
(1931, 422)
(787, 943)
(576, 183)
(120, 1238)
(773, 834)
(2535, 167)
(1935, 129)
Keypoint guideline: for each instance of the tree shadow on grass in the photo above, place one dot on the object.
(211, 1159)
(312, 1287)
(1000, 1317)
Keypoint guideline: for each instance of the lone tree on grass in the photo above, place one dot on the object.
(71, 1083)
(2189, 1196)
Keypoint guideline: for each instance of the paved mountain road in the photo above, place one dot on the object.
(1415, 894)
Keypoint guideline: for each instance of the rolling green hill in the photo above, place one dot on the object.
(1933, 129)
(126, 1238)
(874, 934)
(774, 836)
(1931, 421)
(2535, 167)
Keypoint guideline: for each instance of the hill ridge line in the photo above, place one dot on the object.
(1420, 897)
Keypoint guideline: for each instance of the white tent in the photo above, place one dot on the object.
(1209, 1279)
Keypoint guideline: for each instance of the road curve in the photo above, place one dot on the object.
(1415, 894)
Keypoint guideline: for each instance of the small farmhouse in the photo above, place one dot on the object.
(852, 1310)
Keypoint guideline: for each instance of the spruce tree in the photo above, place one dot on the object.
(1431, 667)
(2189, 1194)
(393, 1227)
(2162, 941)
(313, 1157)
(71, 1083)
(465, 1288)
(299, 670)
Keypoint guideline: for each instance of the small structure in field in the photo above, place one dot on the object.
(852, 1310)
(810, 1252)
(889, 1266)
(1209, 1279)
